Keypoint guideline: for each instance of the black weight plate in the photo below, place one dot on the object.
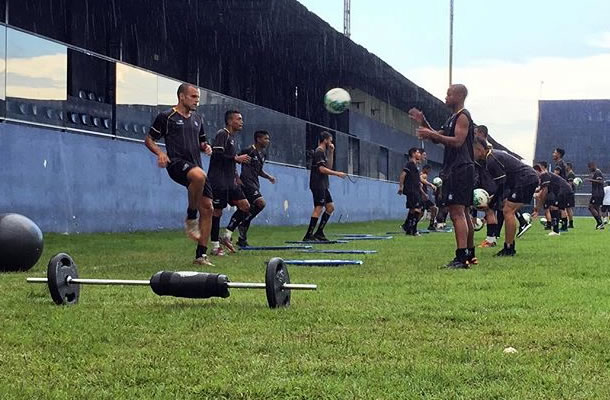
(60, 267)
(276, 276)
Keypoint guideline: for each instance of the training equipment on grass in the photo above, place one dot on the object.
(478, 224)
(316, 241)
(438, 182)
(64, 283)
(577, 181)
(337, 100)
(350, 238)
(480, 198)
(275, 248)
(323, 263)
(21, 243)
(346, 235)
(333, 251)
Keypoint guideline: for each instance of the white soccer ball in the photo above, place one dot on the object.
(543, 220)
(577, 182)
(438, 182)
(478, 224)
(337, 100)
(527, 217)
(480, 198)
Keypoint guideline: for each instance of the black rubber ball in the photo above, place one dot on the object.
(21, 243)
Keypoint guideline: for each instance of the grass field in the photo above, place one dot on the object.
(396, 327)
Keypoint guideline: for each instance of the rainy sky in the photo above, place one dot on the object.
(509, 54)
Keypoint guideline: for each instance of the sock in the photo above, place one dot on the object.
(471, 253)
(254, 211)
(227, 234)
(406, 223)
(201, 250)
(215, 229)
(571, 223)
(500, 217)
(409, 223)
(491, 232)
(215, 245)
(522, 221)
(236, 219)
(462, 255)
(323, 221)
(191, 214)
(312, 225)
(555, 217)
(564, 223)
(598, 220)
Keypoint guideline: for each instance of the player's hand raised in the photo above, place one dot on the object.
(243, 159)
(163, 160)
(331, 147)
(416, 115)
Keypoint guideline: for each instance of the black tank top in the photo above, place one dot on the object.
(458, 156)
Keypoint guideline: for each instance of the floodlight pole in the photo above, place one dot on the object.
(450, 41)
(347, 11)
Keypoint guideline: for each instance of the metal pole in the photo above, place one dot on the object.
(450, 42)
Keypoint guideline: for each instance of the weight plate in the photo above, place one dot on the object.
(60, 267)
(276, 276)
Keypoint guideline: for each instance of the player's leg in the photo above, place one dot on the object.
(319, 200)
(492, 224)
(257, 205)
(510, 230)
(206, 210)
(329, 208)
(219, 203)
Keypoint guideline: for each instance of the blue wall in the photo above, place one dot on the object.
(71, 183)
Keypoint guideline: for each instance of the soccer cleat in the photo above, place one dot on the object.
(563, 229)
(309, 238)
(485, 244)
(553, 233)
(226, 242)
(506, 253)
(599, 226)
(203, 260)
(218, 252)
(523, 229)
(191, 227)
(319, 236)
(242, 242)
(457, 264)
(473, 261)
(404, 228)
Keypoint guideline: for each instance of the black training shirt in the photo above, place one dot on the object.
(183, 136)
(318, 180)
(251, 171)
(555, 183)
(457, 156)
(562, 169)
(222, 171)
(597, 188)
(503, 166)
(412, 179)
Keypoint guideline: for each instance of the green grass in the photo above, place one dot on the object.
(396, 327)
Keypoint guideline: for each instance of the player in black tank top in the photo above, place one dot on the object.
(185, 138)
(458, 169)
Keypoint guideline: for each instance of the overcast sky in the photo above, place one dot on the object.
(508, 53)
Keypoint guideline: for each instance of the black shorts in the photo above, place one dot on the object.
(522, 194)
(178, 169)
(414, 200)
(556, 200)
(606, 208)
(224, 195)
(570, 199)
(428, 204)
(321, 197)
(251, 193)
(596, 200)
(458, 186)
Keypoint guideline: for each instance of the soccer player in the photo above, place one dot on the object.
(185, 138)
(597, 193)
(223, 179)
(606, 203)
(570, 176)
(250, 184)
(321, 168)
(557, 155)
(568, 202)
(552, 195)
(429, 192)
(409, 184)
(458, 169)
(519, 182)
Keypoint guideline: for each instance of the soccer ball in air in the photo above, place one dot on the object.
(480, 198)
(577, 182)
(438, 182)
(337, 100)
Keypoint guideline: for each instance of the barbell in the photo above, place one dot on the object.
(64, 283)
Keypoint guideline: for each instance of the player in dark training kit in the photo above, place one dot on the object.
(411, 186)
(250, 184)
(570, 176)
(552, 195)
(429, 195)
(458, 169)
(321, 168)
(223, 179)
(597, 194)
(519, 182)
(185, 138)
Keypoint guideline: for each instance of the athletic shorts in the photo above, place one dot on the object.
(596, 200)
(428, 204)
(570, 199)
(251, 193)
(321, 197)
(554, 200)
(458, 186)
(224, 196)
(178, 169)
(522, 194)
(606, 208)
(414, 200)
